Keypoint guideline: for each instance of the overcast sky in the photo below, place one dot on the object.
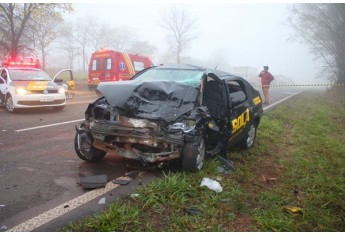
(242, 34)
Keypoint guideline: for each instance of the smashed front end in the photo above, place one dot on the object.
(145, 121)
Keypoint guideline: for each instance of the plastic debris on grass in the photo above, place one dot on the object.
(293, 210)
(211, 184)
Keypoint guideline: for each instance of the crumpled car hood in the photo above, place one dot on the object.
(154, 100)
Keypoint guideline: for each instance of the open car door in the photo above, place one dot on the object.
(64, 78)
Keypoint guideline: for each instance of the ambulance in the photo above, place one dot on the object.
(108, 65)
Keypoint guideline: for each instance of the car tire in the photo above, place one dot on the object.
(94, 154)
(249, 139)
(9, 104)
(193, 155)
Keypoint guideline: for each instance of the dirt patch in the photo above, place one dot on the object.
(242, 223)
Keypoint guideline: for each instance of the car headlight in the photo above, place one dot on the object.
(184, 126)
(61, 90)
(178, 126)
(21, 91)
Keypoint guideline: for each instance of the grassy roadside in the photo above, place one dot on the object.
(298, 161)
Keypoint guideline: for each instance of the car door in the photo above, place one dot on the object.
(64, 78)
(215, 99)
(240, 110)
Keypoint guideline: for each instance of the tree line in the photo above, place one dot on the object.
(39, 29)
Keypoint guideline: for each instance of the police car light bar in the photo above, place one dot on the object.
(30, 64)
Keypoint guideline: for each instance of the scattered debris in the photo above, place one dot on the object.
(211, 184)
(3, 228)
(101, 201)
(95, 181)
(134, 195)
(10, 186)
(132, 174)
(293, 210)
(223, 171)
(268, 179)
(192, 211)
(225, 200)
(123, 180)
(226, 167)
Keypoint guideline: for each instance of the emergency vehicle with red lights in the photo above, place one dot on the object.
(108, 65)
(24, 85)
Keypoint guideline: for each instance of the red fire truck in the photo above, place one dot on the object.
(108, 65)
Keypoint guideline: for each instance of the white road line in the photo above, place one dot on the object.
(45, 126)
(62, 209)
(280, 101)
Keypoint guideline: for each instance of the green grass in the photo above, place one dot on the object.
(298, 161)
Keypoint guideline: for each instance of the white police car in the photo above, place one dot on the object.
(24, 85)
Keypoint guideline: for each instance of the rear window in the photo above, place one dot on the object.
(138, 65)
(237, 92)
(107, 63)
(95, 64)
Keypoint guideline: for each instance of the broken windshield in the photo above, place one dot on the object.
(184, 76)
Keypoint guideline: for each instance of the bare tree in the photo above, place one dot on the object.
(79, 39)
(181, 27)
(16, 21)
(120, 38)
(142, 48)
(322, 27)
(68, 44)
(44, 32)
(81, 36)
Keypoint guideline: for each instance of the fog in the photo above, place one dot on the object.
(230, 34)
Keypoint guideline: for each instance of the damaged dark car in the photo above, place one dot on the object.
(178, 113)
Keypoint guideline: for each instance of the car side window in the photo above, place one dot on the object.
(3, 76)
(237, 93)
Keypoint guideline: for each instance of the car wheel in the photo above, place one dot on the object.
(193, 156)
(248, 141)
(85, 150)
(9, 104)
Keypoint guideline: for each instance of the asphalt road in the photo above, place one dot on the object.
(40, 172)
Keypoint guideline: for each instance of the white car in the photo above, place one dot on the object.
(25, 86)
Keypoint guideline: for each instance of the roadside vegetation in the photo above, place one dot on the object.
(292, 180)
